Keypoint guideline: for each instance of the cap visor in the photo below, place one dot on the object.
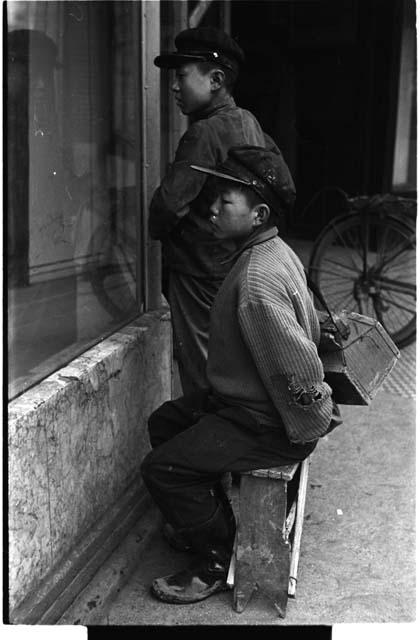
(174, 60)
(219, 174)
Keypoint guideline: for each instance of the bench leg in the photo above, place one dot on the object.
(263, 550)
(300, 512)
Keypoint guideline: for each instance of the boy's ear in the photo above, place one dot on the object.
(262, 213)
(217, 79)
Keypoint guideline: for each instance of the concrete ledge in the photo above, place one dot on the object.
(66, 581)
(75, 443)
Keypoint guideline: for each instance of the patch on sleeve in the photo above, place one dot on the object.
(302, 394)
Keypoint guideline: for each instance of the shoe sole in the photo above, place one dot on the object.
(176, 599)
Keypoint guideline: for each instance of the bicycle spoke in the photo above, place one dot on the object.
(335, 291)
(397, 253)
(396, 304)
(407, 266)
(410, 305)
(341, 302)
(332, 273)
(406, 261)
(354, 237)
(399, 295)
(365, 240)
(381, 248)
(399, 287)
(338, 233)
(353, 307)
(339, 264)
(350, 306)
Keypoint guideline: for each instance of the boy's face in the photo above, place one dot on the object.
(192, 88)
(232, 217)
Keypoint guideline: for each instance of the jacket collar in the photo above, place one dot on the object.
(218, 105)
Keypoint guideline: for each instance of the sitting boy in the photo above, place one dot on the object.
(268, 402)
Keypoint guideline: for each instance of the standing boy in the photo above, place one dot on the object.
(206, 64)
(268, 403)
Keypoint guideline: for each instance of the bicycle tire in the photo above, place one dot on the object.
(112, 273)
(377, 280)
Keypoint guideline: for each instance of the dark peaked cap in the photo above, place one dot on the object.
(203, 43)
(261, 170)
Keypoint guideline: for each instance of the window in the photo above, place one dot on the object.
(73, 122)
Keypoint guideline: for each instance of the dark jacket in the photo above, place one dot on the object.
(188, 245)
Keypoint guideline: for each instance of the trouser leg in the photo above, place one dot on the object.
(165, 423)
(174, 416)
(190, 300)
(190, 496)
(181, 473)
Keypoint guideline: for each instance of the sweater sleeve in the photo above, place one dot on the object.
(181, 184)
(290, 368)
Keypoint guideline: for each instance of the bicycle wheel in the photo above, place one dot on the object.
(366, 263)
(113, 278)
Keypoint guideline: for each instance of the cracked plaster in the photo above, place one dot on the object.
(76, 441)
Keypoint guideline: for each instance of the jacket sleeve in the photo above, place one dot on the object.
(181, 184)
(289, 366)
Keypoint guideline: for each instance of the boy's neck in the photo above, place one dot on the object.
(219, 100)
(258, 236)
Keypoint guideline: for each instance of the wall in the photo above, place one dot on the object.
(76, 441)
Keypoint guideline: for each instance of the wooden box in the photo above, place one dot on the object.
(356, 372)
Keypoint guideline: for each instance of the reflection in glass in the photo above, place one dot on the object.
(71, 180)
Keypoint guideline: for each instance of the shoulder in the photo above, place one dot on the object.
(196, 144)
(273, 272)
(231, 112)
(195, 132)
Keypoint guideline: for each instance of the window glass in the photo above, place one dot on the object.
(72, 117)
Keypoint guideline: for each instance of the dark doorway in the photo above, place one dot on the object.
(322, 77)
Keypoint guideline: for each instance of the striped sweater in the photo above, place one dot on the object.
(264, 334)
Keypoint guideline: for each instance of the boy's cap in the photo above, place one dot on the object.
(203, 43)
(261, 170)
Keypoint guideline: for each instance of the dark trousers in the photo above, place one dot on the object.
(197, 439)
(190, 300)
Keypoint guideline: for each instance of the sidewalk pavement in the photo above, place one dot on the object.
(357, 561)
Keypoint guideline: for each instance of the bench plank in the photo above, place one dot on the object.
(263, 549)
(264, 558)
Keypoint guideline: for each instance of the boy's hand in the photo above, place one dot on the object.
(182, 212)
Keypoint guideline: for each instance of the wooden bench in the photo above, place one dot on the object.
(269, 530)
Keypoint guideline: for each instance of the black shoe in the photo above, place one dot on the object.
(175, 539)
(202, 579)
